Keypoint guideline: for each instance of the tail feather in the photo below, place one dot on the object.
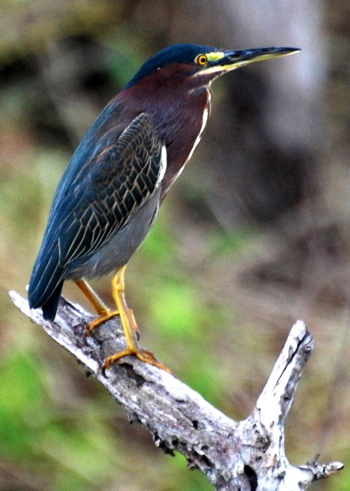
(49, 308)
(46, 283)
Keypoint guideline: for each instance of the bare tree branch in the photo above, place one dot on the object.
(248, 455)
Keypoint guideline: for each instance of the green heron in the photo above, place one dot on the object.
(110, 193)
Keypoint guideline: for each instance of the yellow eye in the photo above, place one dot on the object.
(201, 60)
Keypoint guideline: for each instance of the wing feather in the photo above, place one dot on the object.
(118, 182)
(100, 200)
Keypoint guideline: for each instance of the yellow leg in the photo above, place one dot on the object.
(103, 311)
(129, 327)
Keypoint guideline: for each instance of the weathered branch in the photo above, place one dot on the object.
(248, 455)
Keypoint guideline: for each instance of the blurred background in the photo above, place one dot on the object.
(254, 235)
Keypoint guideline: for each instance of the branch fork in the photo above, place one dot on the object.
(248, 455)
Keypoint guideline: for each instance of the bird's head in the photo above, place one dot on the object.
(201, 63)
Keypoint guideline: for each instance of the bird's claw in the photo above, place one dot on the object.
(143, 355)
(104, 316)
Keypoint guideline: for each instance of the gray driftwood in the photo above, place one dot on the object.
(245, 455)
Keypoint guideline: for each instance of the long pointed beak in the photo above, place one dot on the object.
(236, 59)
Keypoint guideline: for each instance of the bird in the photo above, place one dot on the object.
(111, 190)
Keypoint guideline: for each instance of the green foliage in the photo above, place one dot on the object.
(126, 60)
(22, 403)
(34, 430)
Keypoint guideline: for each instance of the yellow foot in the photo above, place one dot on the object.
(143, 355)
(104, 316)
